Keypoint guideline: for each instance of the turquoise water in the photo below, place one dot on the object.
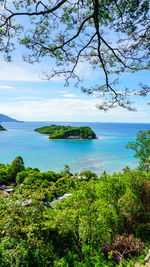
(106, 153)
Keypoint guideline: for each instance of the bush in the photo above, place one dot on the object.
(123, 247)
(21, 176)
(143, 232)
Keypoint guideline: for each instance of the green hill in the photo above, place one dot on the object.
(67, 132)
(2, 128)
(5, 118)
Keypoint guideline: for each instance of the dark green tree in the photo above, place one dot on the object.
(3, 173)
(66, 171)
(142, 149)
(2, 128)
(88, 175)
(110, 35)
(21, 176)
(16, 166)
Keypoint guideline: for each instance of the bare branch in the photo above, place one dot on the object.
(47, 11)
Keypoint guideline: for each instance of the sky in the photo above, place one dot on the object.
(24, 95)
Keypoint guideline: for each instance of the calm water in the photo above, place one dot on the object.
(107, 153)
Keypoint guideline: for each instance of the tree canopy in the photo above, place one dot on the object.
(2, 128)
(110, 35)
(102, 221)
(67, 132)
(141, 146)
(16, 166)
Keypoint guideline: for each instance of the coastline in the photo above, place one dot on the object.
(97, 138)
(72, 139)
(93, 155)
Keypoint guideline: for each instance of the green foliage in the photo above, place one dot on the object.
(66, 42)
(142, 149)
(34, 177)
(143, 232)
(20, 177)
(2, 128)
(72, 232)
(88, 175)
(51, 129)
(18, 253)
(66, 171)
(16, 166)
(3, 173)
(64, 132)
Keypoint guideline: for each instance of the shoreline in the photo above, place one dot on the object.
(97, 138)
(72, 139)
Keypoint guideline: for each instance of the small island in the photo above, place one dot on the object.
(67, 132)
(2, 128)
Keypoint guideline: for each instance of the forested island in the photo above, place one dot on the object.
(67, 132)
(2, 128)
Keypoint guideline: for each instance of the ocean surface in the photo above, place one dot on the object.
(107, 153)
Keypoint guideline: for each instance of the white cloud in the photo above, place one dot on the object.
(13, 72)
(21, 71)
(50, 109)
(68, 110)
(69, 95)
(30, 98)
(5, 87)
(85, 71)
(62, 92)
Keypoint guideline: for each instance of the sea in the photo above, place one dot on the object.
(107, 153)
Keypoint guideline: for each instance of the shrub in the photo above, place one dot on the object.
(20, 177)
(123, 247)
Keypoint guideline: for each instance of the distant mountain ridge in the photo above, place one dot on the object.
(4, 118)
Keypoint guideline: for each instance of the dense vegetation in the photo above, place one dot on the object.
(104, 222)
(141, 146)
(66, 132)
(2, 128)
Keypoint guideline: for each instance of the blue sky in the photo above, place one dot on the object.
(24, 95)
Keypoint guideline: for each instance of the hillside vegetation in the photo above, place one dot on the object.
(67, 132)
(2, 128)
(104, 221)
(82, 219)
